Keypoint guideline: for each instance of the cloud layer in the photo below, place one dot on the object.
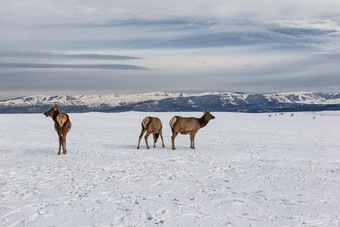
(248, 46)
(70, 66)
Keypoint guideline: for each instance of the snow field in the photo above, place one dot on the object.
(247, 169)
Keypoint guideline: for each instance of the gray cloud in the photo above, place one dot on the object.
(298, 32)
(147, 23)
(207, 39)
(71, 66)
(107, 10)
(53, 55)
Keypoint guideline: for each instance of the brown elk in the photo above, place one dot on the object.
(62, 125)
(151, 125)
(188, 125)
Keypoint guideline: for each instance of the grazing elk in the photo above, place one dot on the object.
(151, 125)
(62, 125)
(188, 125)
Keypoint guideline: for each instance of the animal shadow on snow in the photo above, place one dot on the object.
(143, 147)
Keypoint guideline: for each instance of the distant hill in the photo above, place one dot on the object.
(164, 102)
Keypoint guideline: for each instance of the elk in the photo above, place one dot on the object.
(62, 125)
(188, 125)
(151, 125)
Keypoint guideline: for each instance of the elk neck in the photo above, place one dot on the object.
(203, 121)
(55, 114)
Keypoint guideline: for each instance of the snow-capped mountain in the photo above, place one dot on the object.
(165, 101)
(92, 101)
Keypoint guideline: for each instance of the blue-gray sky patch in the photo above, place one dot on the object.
(111, 46)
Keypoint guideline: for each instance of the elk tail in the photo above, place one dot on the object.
(172, 123)
(61, 120)
(145, 122)
(61, 124)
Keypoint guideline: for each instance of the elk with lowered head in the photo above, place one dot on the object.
(151, 125)
(188, 125)
(62, 125)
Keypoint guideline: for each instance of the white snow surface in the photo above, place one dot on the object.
(246, 170)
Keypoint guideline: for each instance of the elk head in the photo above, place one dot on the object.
(52, 112)
(208, 116)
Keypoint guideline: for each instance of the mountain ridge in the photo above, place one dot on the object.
(168, 101)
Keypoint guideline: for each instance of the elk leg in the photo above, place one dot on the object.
(173, 140)
(64, 144)
(146, 140)
(193, 141)
(154, 139)
(160, 133)
(140, 137)
(59, 152)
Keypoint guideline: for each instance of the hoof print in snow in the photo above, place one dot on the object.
(159, 222)
(148, 217)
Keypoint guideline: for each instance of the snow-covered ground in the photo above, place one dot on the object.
(247, 169)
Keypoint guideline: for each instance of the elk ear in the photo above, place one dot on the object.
(204, 111)
(209, 112)
(145, 122)
(55, 108)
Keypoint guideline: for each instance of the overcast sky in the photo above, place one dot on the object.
(128, 46)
